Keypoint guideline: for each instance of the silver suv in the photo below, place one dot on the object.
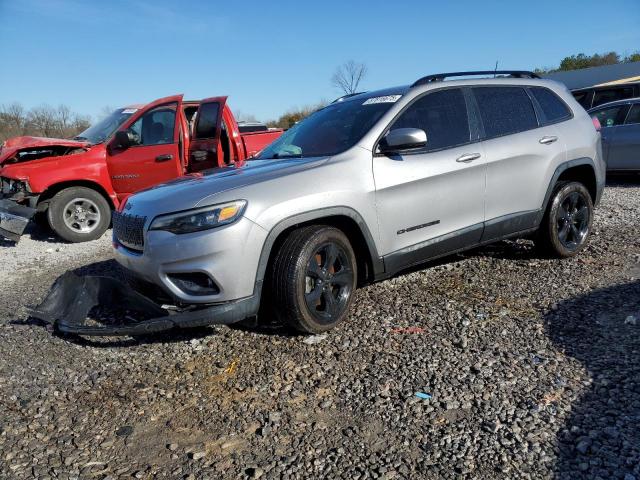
(366, 187)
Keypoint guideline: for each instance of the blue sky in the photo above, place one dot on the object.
(269, 56)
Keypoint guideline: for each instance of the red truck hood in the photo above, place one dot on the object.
(13, 145)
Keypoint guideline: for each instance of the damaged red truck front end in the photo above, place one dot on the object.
(18, 202)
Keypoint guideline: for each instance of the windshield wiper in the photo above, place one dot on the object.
(80, 138)
(287, 155)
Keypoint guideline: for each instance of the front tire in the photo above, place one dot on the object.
(79, 214)
(566, 226)
(313, 278)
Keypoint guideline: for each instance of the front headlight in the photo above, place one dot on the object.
(200, 219)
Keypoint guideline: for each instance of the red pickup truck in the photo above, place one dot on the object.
(77, 183)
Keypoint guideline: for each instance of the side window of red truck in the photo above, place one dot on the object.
(155, 127)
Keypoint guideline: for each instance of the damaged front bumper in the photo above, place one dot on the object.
(17, 207)
(72, 298)
(14, 218)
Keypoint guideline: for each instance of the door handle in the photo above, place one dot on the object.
(164, 158)
(468, 157)
(548, 140)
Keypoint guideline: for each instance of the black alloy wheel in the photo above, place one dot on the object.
(328, 282)
(312, 279)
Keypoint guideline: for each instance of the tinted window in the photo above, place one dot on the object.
(505, 110)
(155, 127)
(611, 116)
(442, 115)
(553, 109)
(634, 115)
(611, 95)
(207, 120)
(583, 98)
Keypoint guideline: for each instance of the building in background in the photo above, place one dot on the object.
(598, 85)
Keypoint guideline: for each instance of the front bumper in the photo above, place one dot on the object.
(228, 255)
(14, 218)
(72, 297)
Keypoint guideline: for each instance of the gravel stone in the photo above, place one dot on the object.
(531, 363)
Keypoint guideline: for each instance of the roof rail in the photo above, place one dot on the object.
(344, 97)
(439, 77)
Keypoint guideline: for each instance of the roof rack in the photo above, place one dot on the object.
(439, 77)
(344, 97)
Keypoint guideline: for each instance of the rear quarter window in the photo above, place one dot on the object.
(634, 115)
(552, 107)
(505, 110)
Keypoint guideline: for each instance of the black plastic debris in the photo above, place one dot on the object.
(14, 218)
(72, 297)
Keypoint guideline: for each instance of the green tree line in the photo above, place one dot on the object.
(581, 60)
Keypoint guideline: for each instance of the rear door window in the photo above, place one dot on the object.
(634, 115)
(207, 120)
(443, 117)
(611, 116)
(611, 95)
(505, 110)
(553, 108)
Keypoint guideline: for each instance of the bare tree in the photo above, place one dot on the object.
(245, 117)
(40, 121)
(348, 76)
(12, 120)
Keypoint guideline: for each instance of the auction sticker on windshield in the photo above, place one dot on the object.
(130, 110)
(385, 99)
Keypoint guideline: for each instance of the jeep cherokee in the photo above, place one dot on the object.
(365, 188)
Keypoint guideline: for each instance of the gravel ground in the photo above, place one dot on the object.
(531, 365)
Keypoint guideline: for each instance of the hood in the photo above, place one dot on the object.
(198, 190)
(17, 144)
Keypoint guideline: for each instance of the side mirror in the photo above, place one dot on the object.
(403, 139)
(121, 140)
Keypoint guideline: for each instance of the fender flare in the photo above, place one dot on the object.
(310, 216)
(576, 162)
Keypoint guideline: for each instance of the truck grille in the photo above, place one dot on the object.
(129, 230)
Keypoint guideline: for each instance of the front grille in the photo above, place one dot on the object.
(129, 229)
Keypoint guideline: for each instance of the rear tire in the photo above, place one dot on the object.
(79, 214)
(313, 279)
(566, 225)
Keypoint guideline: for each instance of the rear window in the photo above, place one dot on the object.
(505, 110)
(207, 120)
(553, 109)
(611, 95)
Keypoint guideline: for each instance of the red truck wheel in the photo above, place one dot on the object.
(79, 214)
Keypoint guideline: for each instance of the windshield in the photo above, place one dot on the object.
(331, 130)
(102, 130)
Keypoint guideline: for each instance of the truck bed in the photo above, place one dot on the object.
(256, 141)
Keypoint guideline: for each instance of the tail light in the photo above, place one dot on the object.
(596, 123)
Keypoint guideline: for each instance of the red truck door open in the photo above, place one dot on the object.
(206, 149)
(152, 152)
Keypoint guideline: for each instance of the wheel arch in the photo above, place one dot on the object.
(582, 170)
(370, 264)
(49, 193)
